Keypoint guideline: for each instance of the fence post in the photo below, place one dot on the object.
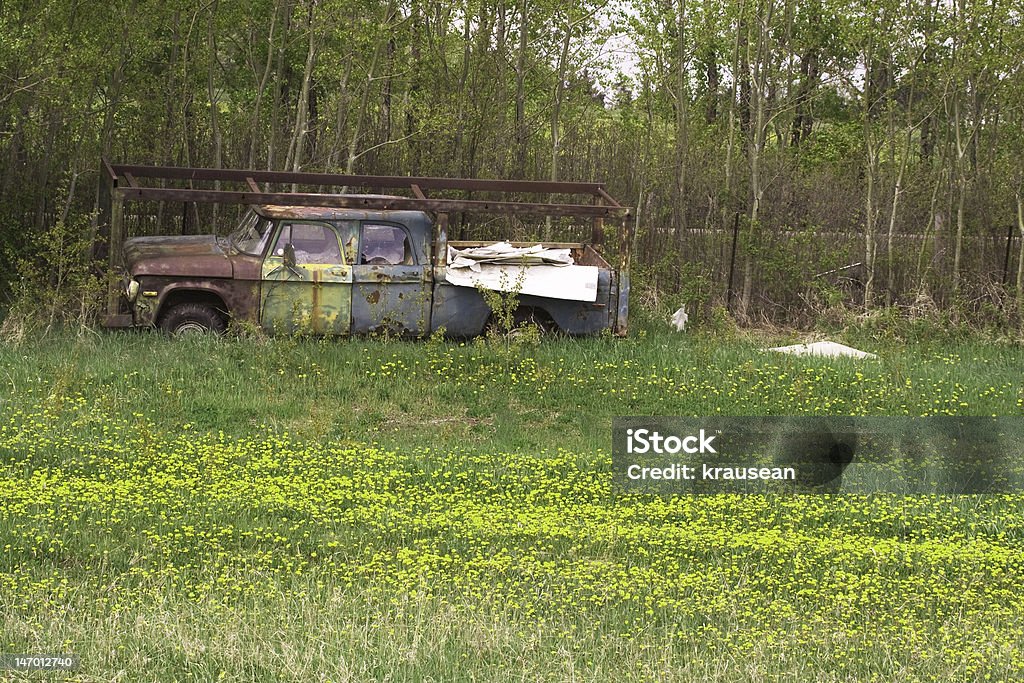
(1006, 257)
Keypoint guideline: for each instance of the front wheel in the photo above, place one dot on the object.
(184, 319)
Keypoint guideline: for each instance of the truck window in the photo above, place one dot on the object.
(251, 234)
(313, 243)
(384, 245)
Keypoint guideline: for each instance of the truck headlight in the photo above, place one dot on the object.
(131, 289)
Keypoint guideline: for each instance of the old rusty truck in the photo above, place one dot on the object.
(349, 264)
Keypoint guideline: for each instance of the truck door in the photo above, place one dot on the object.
(315, 294)
(391, 288)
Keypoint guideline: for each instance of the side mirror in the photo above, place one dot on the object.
(289, 255)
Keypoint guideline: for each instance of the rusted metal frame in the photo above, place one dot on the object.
(305, 178)
(108, 170)
(101, 241)
(440, 255)
(115, 249)
(439, 260)
(110, 232)
(363, 202)
(597, 229)
(607, 197)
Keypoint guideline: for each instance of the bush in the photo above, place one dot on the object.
(55, 283)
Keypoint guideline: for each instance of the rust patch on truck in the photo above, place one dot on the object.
(193, 256)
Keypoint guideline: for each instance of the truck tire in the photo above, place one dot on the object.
(184, 319)
(536, 317)
(524, 317)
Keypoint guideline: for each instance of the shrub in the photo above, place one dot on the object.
(55, 284)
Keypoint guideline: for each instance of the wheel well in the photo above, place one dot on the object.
(537, 312)
(537, 315)
(193, 296)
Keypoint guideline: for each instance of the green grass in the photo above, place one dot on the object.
(304, 510)
(471, 394)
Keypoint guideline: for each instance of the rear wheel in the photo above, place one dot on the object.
(524, 319)
(184, 319)
(535, 317)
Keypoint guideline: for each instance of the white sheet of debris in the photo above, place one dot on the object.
(504, 253)
(823, 348)
(536, 270)
(679, 319)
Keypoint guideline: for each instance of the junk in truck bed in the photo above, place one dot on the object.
(356, 263)
(543, 271)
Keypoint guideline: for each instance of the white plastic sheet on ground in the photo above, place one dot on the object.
(537, 270)
(823, 348)
(679, 319)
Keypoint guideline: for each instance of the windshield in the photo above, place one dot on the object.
(251, 234)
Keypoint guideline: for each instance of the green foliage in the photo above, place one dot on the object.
(503, 303)
(478, 89)
(923, 322)
(831, 145)
(511, 326)
(56, 285)
(718, 324)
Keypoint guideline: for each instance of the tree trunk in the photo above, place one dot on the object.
(893, 211)
(730, 139)
(870, 172)
(962, 150)
(260, 88)
(743, 35)
(931, 228)
(521, 132)
(803, 119)
(412, 96)
(556, 113)
(756, 139)
(682, 125)
(282, 76)
(463, 89)
(211, 92)
(1020, 256)
(870, 175)
(364, 102)
(297, 145)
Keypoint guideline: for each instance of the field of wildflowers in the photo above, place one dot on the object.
(248, 510)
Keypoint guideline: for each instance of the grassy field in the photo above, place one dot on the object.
(304, 510)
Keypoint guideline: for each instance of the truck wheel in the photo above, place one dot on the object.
(537, 318)
(525, 317)
(192, 318)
